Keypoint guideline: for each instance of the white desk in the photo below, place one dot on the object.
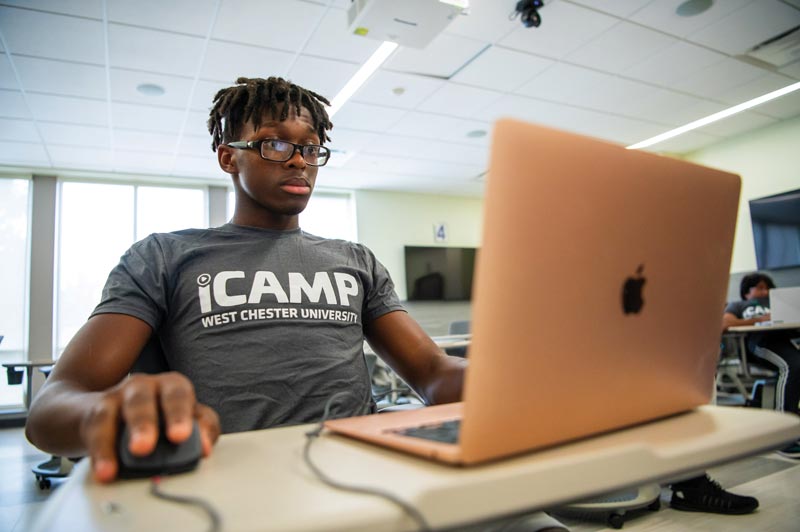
(258, 480)
(738, 334)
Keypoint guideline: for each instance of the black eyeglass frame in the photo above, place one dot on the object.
(256, 145)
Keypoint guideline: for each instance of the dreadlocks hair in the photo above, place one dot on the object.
(253, 98)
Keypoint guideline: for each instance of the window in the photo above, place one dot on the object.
(98, 222)
(328, 214)
(14, 224)
(161, 210)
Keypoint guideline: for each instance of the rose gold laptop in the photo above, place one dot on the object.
(597, 302)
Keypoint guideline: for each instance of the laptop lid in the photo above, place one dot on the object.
(784, 305)
(597, 297)
(599, 289)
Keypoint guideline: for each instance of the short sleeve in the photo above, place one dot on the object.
(380, 297)
(137, 286)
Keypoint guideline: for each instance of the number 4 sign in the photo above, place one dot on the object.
(440, 232)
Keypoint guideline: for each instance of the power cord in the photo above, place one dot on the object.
(313, 434)
(213, 515)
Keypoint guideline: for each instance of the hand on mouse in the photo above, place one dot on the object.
(138, 401)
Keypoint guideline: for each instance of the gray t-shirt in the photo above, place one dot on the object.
(751, 308)
(266, 324)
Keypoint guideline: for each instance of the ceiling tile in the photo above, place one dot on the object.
(124, 85)
(144, 141)
(687, 142)
(23, 153)
(68, 109)
(53, 36)
(621, 47)
(405, 166)
(443, 57)
(523, 108)
(365, 117)
(80, 158)
(228, 61)
(196, 124)
(143, 49)
(565, 27)
(674, 63)
(7, 78)
(199, 167)
(792, 70)
(749, 26)
(488, 20)
(694, 111)
(12, 104)
(583, 87)
(180, 16)
(60, 77)
(75, 135)
(279, 24)
(146, 118)
(326, 77)
(754, 89)
(501, 69)
(659, 106)
(662, 15)
(134, 162)
(787, 106)
(333, 40)
(204, 92)
(445, 128)
(428, 149)
(737, 124)
(459, 100)
(80, 8)
(622, 8)
(350, 140)
(718, 79)
(379, 89)
(18, 130)
(613, 128)
(196, 146)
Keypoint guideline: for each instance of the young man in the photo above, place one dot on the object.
(258, 322)
(774, 347)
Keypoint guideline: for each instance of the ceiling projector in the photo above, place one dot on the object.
(413, 23)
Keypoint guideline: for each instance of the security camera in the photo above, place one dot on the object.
(528, 12)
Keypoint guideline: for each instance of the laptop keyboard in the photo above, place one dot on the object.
(445, 432)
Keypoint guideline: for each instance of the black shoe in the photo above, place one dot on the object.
(702, 494)
(792, 451)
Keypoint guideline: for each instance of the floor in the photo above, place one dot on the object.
(774, 480)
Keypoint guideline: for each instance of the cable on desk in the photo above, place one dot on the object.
(213, 515)
(313, 434)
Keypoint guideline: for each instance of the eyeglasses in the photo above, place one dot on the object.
(280, 151)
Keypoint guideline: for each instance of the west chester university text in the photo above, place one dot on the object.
(323, 289)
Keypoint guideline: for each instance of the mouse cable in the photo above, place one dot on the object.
(313, 434)
(213, 515)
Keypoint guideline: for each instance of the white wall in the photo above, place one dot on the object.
(387, 221)
(768, 160)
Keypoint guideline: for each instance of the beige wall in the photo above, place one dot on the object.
(768, 160)
(387, 221)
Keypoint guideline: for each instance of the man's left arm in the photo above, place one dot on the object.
(409, 351)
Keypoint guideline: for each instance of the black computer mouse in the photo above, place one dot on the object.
(166, 459)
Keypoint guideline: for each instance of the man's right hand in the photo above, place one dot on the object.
(138, 401)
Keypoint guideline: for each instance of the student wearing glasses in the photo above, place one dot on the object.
(253, 324)
(256, 322)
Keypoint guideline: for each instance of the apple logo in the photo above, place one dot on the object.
(632, 301)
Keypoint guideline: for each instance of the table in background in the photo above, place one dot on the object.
(259, 481)
(28, 367)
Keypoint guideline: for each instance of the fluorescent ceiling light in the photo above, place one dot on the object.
(716, 116)
(367, 69)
